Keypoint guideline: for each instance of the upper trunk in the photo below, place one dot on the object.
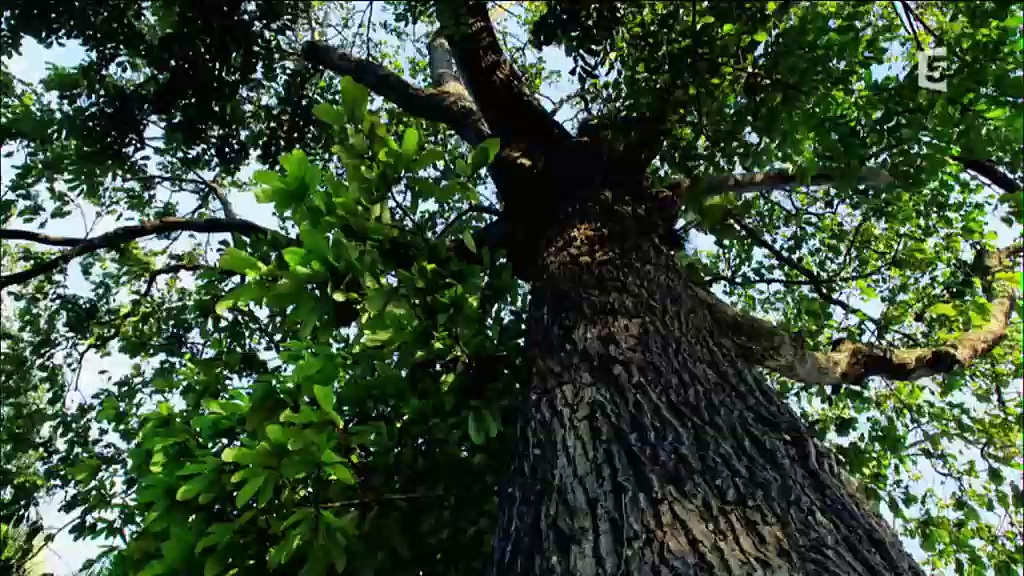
(647, 448)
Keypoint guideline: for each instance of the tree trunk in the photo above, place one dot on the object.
(647, 448)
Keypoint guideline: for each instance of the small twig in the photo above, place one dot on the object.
(369, 25)
(476, 208)
(383, 498)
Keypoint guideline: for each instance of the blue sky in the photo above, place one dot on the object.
(66, 555)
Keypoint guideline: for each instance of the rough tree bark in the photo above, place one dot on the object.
(646, 447)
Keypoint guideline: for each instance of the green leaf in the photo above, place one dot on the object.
(324, 397)
(410, 142)
(294, 256)
(267, 177)
(377, 337)
(492, 424)
(341, 473)
(329, 457)
(376, 300)
(217, 534)
(295, 165)
(354, 98)
(155, 568)
(996, 476)
(214, 565)
(467, 237)
(241, 294)
(191, 488)
(249, 490)
(930, 542)
(329, 114)
(428, 158)
(266, 491)
(484, 154)
(299, 514)
(245, 474)
(232, 454)
(1005, 568)
(235, 260)
(475, 432)
(275, 432)
(315, 241)
(943, 309)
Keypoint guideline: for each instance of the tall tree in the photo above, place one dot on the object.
(478, 337)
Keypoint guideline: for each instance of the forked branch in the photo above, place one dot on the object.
(452, 108)
(510, 109)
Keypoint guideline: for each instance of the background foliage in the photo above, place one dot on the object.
(336, 395)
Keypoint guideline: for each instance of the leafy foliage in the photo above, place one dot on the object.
(336, 392)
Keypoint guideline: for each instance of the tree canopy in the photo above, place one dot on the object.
(293, 233)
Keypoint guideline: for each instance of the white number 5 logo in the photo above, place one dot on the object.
(931, 68)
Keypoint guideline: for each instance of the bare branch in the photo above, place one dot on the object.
(119, 237)
(450, 108)
(761, 343)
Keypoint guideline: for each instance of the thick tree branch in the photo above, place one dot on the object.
(761, 343)
(989, 171)
(870, 176)
(452, 108)
(117, 237)
(762, 181)
(499, 90)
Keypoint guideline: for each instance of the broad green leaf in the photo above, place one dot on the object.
(943, 309)
(275, 433)
(214, 566)
(410, 142)
(233, 453)
(324, 397)
(235, 260)
(428, 158)
(476, 433)
(329, 114)
(191, 488)
(294, 256)
(342, 473)
(249, 490)
(315, 241)
(484, 154)
(354, 99)
(266, 490)
(241, 294)
(266, 177)
(375, 300)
